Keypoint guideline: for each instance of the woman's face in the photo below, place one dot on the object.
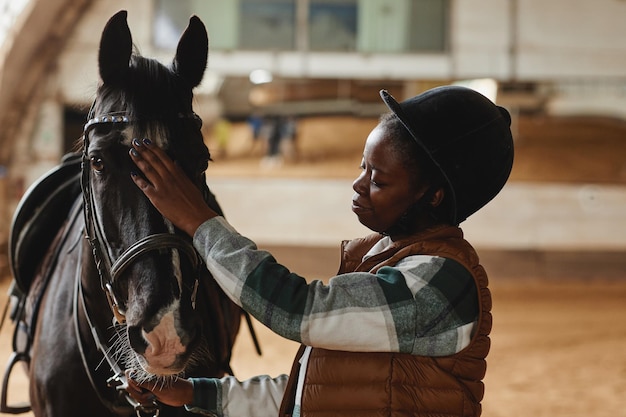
(384, 190)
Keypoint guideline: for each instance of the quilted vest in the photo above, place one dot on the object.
(368, 384)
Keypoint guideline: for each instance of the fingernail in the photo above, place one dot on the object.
(136, 142)
(134, 152)
(147, 141)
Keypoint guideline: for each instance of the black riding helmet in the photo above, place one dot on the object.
(467, 137)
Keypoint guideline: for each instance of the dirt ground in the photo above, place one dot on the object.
(557, 350)
(558, 346)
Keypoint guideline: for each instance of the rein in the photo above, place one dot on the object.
(118, 380)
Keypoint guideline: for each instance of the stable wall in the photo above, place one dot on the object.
(576, 42)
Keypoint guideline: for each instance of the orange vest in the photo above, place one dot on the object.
(399, 384)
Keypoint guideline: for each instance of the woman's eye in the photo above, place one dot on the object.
(376, 183)
(97, 164)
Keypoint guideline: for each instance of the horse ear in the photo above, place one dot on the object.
(116, 46)
(192, 52)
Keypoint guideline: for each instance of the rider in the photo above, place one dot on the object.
(404, 326)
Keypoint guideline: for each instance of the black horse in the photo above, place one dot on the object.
(119, 288)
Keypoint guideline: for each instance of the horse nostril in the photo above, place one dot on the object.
(136, 340)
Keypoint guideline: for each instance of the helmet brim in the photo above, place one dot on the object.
(395, 107)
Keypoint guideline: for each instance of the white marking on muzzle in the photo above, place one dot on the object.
(164, 344)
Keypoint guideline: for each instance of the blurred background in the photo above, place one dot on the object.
(289, 96)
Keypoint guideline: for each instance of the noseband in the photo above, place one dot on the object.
(110, 270)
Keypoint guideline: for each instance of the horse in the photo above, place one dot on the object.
(118, 288)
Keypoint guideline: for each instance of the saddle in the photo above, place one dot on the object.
(40, 215)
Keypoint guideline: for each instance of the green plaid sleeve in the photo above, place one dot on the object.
(423, 305)
(207, 394)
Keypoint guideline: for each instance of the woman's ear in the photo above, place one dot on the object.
(429, 196)
(438, 197)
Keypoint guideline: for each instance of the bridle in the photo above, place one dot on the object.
(109, 269)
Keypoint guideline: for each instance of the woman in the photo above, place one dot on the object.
(403, 329)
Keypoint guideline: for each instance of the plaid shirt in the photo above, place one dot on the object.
(424, 305)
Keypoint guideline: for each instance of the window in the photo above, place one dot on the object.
(219, 16)
(369, 26)
(333, 25)
(402, 25)
(170, 20)
(267, 24)
(428, 26)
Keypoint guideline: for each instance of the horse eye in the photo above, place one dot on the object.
(97, 164)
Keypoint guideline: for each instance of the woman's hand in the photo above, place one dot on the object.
(175, 393)
(168, 188)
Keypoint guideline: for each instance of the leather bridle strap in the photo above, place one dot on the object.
(159, 241)
(118, 380)
(109, 269)
(156, 242)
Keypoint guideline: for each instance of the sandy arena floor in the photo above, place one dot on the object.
(557, 350)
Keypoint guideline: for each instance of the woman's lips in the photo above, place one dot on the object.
(358, 208)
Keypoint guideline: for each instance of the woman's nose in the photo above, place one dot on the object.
(358, 185)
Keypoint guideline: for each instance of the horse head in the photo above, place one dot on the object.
(147, 268)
